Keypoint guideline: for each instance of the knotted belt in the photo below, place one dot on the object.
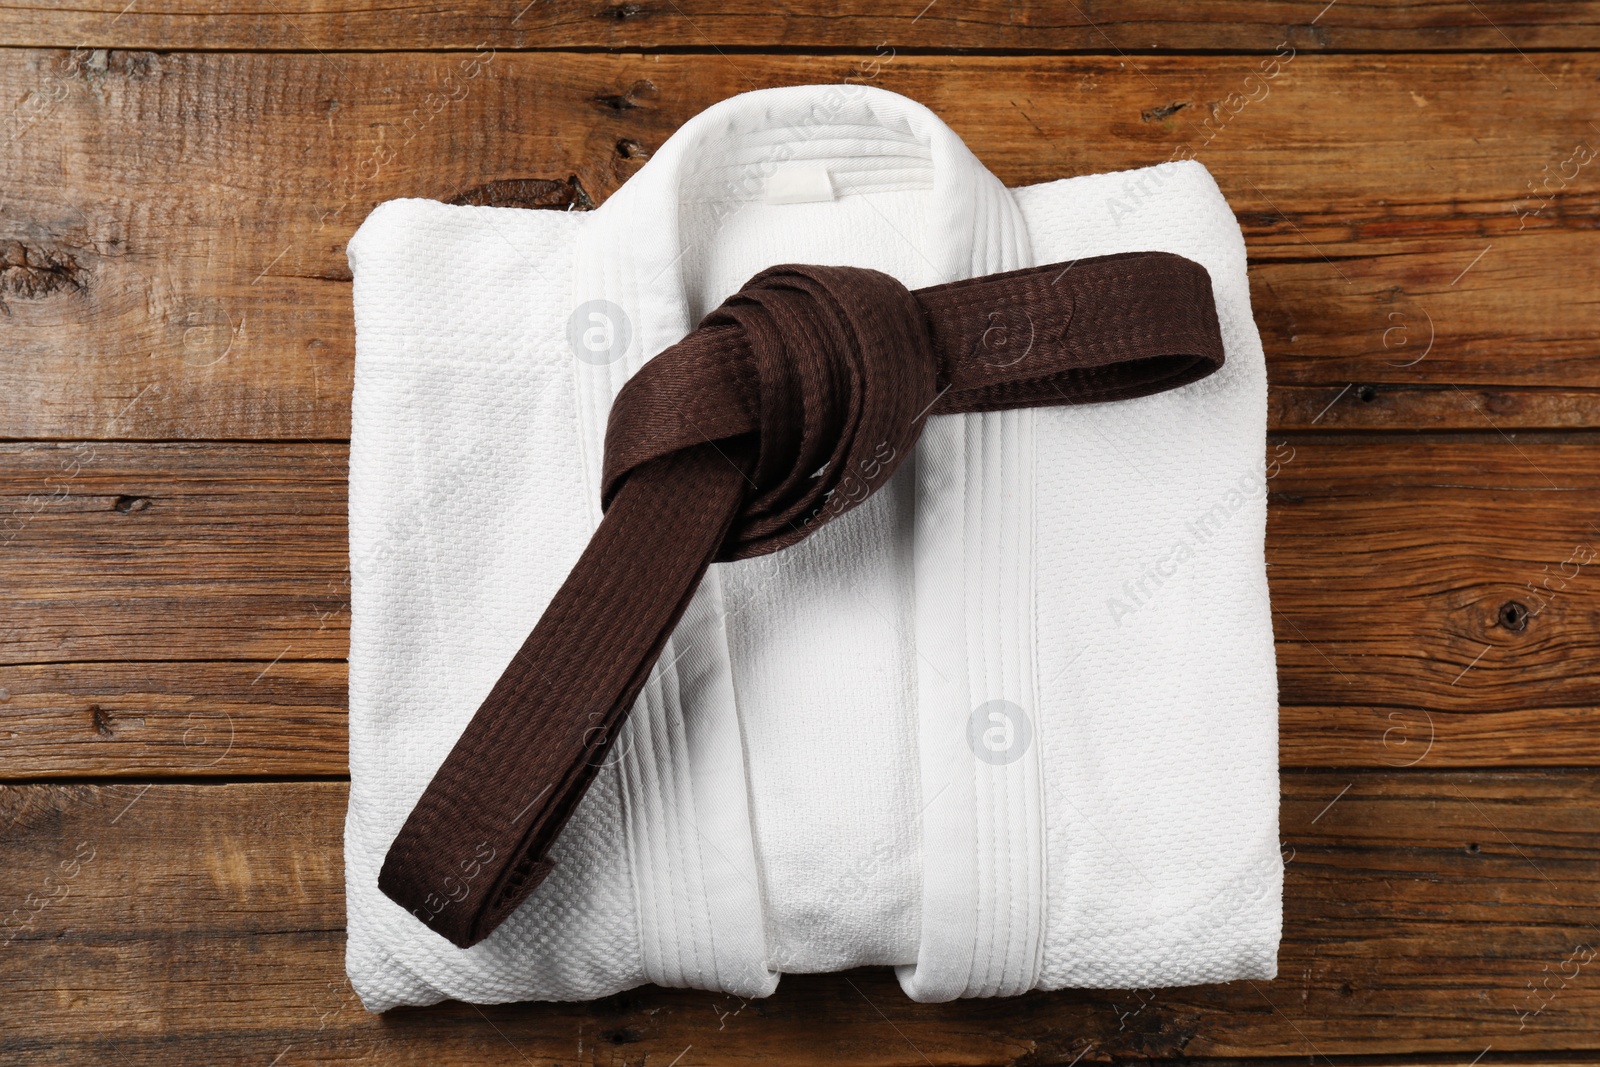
(788, 405)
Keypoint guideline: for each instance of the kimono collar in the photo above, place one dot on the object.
(633, 260)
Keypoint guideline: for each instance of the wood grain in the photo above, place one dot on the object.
(1431, 902)
(173, 243)
(1447, 574)
(1437, 604)
(132, 552)
(135, 720)
(702, 25)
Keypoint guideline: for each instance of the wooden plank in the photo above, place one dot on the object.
(133, 552)
(1437, 602)
(1033, 25)
(1402, 334)
(142, 719)
(1437, 575)
(175, 226)
(206, 920)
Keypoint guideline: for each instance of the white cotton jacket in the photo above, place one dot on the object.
(1011, 724)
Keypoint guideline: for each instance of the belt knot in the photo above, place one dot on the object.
(813, 381)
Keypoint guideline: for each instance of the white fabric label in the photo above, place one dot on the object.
(799, 185)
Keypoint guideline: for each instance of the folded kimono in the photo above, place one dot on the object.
(1008, 724)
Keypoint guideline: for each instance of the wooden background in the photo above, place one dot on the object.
(1419, 187)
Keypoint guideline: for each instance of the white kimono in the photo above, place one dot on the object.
(1011, 724)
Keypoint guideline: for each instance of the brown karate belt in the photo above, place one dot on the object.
(788, 405)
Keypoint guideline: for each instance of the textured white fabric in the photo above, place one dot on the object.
(1010, 724)
(1158, 702)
